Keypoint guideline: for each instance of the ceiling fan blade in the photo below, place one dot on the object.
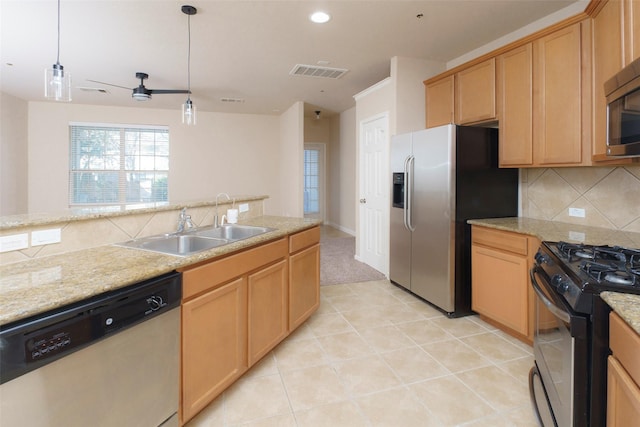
(159, 91)
(108, 84)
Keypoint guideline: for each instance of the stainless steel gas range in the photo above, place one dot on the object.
(568, 383)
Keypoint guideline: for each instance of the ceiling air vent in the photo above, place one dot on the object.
(232, 100)
(315, 71)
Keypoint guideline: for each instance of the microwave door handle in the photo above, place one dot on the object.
(557, 311)
(408, 175)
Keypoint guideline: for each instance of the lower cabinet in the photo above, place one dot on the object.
(237, 308)
(623, 384)
(214, 344)
(304, 276)
(500, 289)
(268, 313)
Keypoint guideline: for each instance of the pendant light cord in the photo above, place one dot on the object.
(189, 58)
(58, 56)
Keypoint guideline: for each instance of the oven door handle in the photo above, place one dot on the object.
(557, 311)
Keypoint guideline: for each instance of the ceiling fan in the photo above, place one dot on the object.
(141, 93)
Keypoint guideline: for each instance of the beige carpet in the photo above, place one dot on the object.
(338, 265)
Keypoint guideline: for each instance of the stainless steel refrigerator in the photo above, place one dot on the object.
(441, 177)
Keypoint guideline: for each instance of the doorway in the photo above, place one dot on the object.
(314, 180)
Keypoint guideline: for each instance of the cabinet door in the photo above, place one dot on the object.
(623, 396)
(214, 344)
(304, 285)
(439, 102)
(515, 105)
(499, 287)
(557, 114)
(475, 89)
(632, 30)
(268, 309)
(607, 60)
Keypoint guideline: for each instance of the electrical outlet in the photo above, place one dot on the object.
(45, 237)
(244, 207)
(578, 212)
(14, 242)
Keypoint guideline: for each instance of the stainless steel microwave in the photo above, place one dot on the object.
(623, 112)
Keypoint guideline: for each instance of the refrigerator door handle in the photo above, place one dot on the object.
(408, 194)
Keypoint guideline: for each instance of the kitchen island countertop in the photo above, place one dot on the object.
(32, 287)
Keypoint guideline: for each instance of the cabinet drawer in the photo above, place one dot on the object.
(503, 240)
(625, 345)
(208, 276)
(304, 239)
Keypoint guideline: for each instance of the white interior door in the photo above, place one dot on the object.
(373, 230)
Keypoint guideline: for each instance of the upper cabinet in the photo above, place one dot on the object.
(475, 89)
(616, 43)
(562, 97)
(544, 100)
(515, 101)
(439, 102)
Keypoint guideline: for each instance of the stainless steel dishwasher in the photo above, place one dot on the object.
(112, 360)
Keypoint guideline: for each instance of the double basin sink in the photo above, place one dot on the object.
(197, 240)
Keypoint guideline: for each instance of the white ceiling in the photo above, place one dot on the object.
(241, 49)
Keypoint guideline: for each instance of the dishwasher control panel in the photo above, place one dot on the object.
(29, 344)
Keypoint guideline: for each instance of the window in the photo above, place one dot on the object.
(313, 155)
(118, 165)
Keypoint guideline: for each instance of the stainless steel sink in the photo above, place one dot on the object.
(201, 239)
(232, 232)
(175, 244)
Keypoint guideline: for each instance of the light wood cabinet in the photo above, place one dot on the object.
(268, 309)
(500, 289)
(613, 48)
(304, 276)
(439, 98)
(623, 375)
(234, 311)
(475, 93)
(562, 101)
(214, 343)
(515, 105)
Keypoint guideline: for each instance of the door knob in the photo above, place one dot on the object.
(363, 200)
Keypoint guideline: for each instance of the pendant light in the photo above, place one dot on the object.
(188, 109)
(57, 83)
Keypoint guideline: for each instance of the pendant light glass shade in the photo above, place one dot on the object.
(188, 109)
(188, 113)
(57, 82)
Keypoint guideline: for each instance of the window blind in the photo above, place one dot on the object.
(118, 165)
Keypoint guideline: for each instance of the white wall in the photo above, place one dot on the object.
(13, 155)
(342, 211)
(290, 169)
(233, 153)
(408, 75)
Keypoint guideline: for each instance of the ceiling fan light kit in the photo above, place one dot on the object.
(57, 83)
(188, 109)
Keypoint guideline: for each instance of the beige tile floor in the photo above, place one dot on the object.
(374, 355)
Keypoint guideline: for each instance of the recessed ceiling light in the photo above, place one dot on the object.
(320, 17)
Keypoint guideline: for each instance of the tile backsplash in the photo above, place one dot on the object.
(610, 196)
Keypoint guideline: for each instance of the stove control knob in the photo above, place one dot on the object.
(541, 258)
(559, 283)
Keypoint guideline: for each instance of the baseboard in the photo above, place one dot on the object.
(341, 228)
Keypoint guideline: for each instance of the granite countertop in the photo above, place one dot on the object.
(560, 231)
(627, 306)
(31, 287)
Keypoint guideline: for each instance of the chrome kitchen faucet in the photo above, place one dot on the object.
(184, 222)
